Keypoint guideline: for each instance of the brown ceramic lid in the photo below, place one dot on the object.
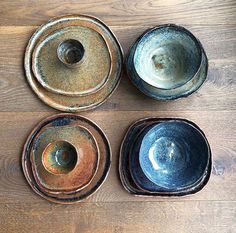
(67, 166)
(73, 63)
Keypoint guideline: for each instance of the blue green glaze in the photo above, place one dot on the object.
(60, 157)
(167, 62)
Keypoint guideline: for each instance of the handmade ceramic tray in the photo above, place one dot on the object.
(73, 63)
(152, 174)
(66, 158)
(167, 62)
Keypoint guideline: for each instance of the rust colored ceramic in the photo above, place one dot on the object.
(64, 158)
(87, 53)
(59, 157)
(66, 120)
(73, 63)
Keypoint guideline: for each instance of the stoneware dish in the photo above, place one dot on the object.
(167, 62)
(66, 158)
(169, 157)
(73, 63)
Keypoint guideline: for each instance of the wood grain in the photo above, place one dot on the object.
(218, 93)
(123, 217)
(125, 12)
(223, 180)
(112, 209)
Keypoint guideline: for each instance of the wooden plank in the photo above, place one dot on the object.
(218, 93)
(114, 12)
(124, 217)
(112, 209)
(16, 127)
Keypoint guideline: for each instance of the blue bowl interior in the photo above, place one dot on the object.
(167, 57)
(140, 179)
(173, 155)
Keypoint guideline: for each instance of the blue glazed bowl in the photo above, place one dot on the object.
(146, 146)
(174, 155)
(167, 62)
(136, 172)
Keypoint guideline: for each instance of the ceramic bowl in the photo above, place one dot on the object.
(70, 52)
(164, 157)
(167, 62)
(59, 157)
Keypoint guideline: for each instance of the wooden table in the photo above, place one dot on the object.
(112, 209)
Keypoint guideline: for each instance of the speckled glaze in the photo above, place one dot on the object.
(185, 172)
(71, 52)
(167, 62)
(86, 156)
(91, 68)
(67, 76)
(83, 160)
(59, 157)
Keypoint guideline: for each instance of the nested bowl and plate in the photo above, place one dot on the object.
(64, 158)
(164, 157)
(92, 167)
(73, 63)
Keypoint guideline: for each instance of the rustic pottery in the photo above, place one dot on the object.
(167, 157)
(66, 158)
(167, 62)
(73, 63)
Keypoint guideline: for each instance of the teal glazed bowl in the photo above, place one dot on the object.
(167, 62)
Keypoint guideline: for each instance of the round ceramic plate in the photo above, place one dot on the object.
(68, 120)
(91, 96)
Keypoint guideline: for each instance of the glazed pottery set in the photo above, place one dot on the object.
(74, 63)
